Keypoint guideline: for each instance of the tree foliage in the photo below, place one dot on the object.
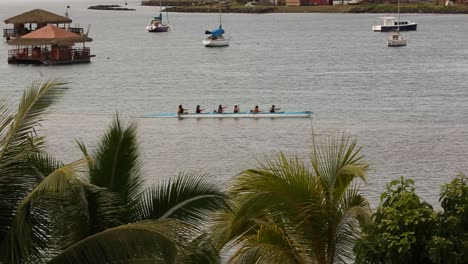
(24, 170)
(450, 242)
(401, 229)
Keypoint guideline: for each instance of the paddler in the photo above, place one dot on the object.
(198, 110)
(181, 110)
(273, 109)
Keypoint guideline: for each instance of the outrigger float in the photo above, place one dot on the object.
(233, 115)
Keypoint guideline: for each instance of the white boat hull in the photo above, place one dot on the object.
(216, 42)
(235, 115)
(396, 40)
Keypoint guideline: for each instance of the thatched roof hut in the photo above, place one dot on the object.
(38, 16)
(49, 34)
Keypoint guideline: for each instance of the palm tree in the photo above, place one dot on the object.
(23, 166)
(287, 212)
(49, 209)
(134, 221)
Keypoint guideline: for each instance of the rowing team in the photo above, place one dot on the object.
(199, 110)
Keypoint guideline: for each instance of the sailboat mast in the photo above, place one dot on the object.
(398, 15)
(160, 8)
(219, 5)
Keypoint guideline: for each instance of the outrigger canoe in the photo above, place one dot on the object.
(234, 115)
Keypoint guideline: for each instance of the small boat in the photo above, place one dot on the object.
(234, 115)
(391, 23)
(216, 38)
(395, 39)
(156, 24)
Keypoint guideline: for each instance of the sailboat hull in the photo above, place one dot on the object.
(160, 28)
(396, 40)
(396, 43)
(216, 42)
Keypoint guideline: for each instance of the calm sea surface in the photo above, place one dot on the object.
(407, 106)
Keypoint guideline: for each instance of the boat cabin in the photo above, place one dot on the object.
(49, 45)
(35, 19)
(155, 22)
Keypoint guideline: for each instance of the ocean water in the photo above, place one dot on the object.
(408, 106)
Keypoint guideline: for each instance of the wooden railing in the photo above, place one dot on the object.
(11, 33)
(76, 30)
(47, 55)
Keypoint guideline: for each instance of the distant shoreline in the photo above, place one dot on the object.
(110, 7)
(364, 8)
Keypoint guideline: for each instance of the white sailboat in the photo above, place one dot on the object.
(157, 23)
(216, 38)
(395, 39)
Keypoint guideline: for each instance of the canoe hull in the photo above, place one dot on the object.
(235, 115)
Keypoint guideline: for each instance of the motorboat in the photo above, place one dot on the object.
(234, 115)
(392, 23)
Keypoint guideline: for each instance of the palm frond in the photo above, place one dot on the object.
(353, 212)
(287, 178)
(99, 209)
(34, 104)
(278, 189)
(44, 164)
(189, 196)
(160, 241)
(12, 190)
(321, 209)
(5, 118)
(18, 143)
(270, 244)
(231, 225)
(117, 161)
(85, 152)
(23, 237)
(17, 179)
(336, 162)
(202, 251)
